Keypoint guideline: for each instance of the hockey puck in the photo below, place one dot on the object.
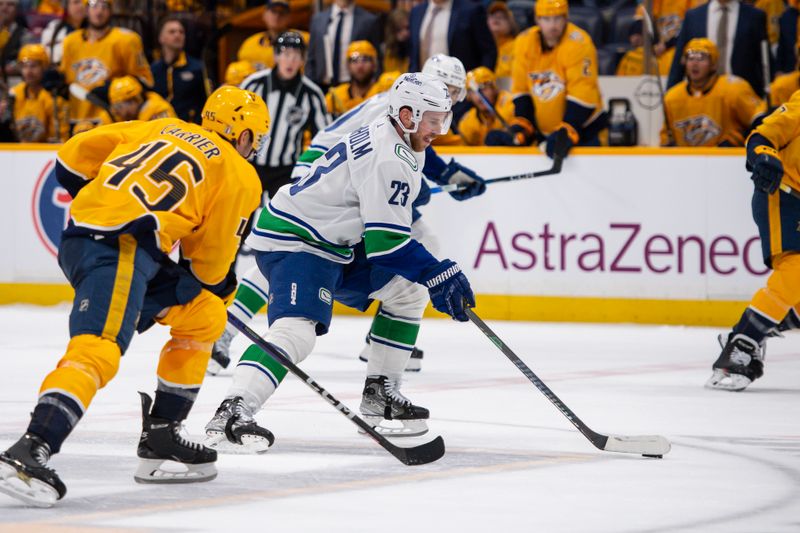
(653, 456)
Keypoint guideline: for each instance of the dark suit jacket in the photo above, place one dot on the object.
(787, 42)
(468, 36)
(746, 63)
(366, 27)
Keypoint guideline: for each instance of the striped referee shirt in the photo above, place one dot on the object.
(294, 106)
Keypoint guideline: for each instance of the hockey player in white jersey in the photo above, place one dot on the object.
(309, 246)
(251, 295)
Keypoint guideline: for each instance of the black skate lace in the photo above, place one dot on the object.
(391, 387)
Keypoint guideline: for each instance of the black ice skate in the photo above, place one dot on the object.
(166, 456)
(24, 474)
(740, 363)
(390, 412)
(220, 354)
(414, 363)
(234, 430)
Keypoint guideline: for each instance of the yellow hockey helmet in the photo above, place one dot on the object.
(34, 52)
(361, 48)
(551, 8)
(478, 77)
(702, 46)
(230, 110)
(385, 81)
(238, 71)
(124, 88)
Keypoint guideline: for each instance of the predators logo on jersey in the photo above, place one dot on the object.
(698, 130)
(30, 129)
(546, 85)
(90, 72)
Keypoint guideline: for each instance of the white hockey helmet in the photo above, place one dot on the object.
(450, 70)
(420, 93)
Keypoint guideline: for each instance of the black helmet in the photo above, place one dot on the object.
(289, 39)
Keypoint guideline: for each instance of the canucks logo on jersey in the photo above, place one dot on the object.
(546, 85)
(698, 130)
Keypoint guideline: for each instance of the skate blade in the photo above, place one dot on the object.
(251, 444)
(397, 428)
(729, 382)
(167, 471)
(26, 489)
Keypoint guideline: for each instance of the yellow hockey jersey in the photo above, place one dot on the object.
(551, 77)
(474, 125)
(35, 117)
(668, 16)
(169, 179)
(91, 64)
(505, 58)
(155, 107)
(783, 88)
(340, 100)
(257, 49)
(782, 129)
(774, 9)
(722, 112)
(632, 63)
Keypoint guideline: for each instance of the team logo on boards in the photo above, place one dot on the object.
(50, 208)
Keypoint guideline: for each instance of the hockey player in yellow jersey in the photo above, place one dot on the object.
(554, 81)
(773, 157)
(384, 83)
(237, 71)
(98, 53)
(38, 117)
(632, 63)
(362, 64)
(139, 189)
(492, 109)
(707, 109)
(129, 101)
(258, 48)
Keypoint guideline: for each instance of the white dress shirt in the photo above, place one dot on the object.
(440, 27)
(347, 31)
(714, 14)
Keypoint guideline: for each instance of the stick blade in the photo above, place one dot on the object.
(654, 445)
(420, 455)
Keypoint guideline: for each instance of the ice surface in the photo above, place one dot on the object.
(513, 462)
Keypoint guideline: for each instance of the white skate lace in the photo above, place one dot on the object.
(41, 454)
(241, 410)
(392, 389)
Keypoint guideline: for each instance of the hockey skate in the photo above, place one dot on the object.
(740, 363)
(166, 456)
(24, 474)
(390, 412)
(234, 430)
(414, 363)
(220, 354)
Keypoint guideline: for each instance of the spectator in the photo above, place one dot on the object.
(504, 29)
(237, 72)
(632, 63)
(56, 30)
(362, 62)
(179, 78)
(14, 35)
(95, 55)
(554, 82)
(396, 41)
(451, 27)
(708, 109)
(257, 49)
(492, 109)
(37, 117)
(332, 30)
(129, 101)
(737, 30)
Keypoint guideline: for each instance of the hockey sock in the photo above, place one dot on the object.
(755, 325)
(251, 296)
(169, 406)
(256, 377)
(790, 321)
(54, 417)
(392, 339)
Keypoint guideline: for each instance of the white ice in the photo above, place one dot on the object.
(513, 462)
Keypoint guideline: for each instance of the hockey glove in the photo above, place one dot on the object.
(449, 289)
(456, 174)
(559, 143)
(767, 169)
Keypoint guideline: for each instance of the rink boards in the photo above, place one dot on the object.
(623, 235)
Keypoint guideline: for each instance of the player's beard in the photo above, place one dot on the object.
(98, 28)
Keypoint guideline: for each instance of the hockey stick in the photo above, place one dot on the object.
(416, 455)
(646, 445)
(555, 169)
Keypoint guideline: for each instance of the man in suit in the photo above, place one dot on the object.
(452, 27)
(737, 29)
(332, 31)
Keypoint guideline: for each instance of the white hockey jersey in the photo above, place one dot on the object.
(362, 188)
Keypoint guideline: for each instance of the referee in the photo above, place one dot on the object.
(295, 105)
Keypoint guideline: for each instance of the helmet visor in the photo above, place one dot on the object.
(436, 121)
